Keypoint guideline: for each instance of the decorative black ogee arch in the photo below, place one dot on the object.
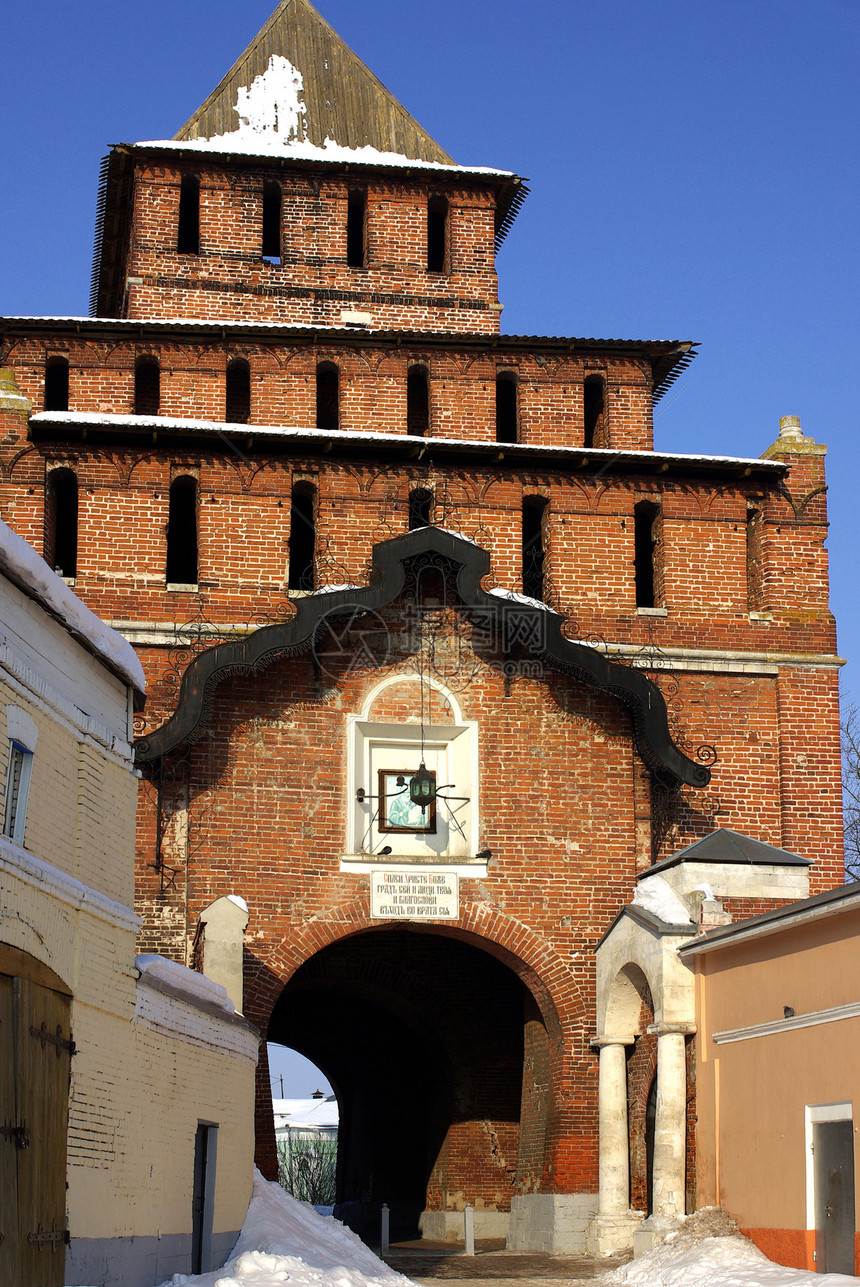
(388, 577)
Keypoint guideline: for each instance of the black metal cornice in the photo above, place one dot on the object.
(259, 649)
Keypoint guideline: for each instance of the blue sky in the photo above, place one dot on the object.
(693, 171)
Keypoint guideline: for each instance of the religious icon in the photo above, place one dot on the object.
(397, 811)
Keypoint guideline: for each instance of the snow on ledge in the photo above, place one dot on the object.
(21, 564)
(594, 454)
(657, 896)
(243, 143)
(196, 986)
(513, 596)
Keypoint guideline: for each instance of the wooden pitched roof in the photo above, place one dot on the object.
(344, 101)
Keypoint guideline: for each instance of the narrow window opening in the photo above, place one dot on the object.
(272, 222)
(755, 562)
(57, 384)
(147, 386)
(237, 410)
(437, 234)
(182, 552)
(420, 508)
(17, 787)
(356, 228)
(302, 537)
(61, 522)
(417, 401)
(533, 539)
(328, 396)
(594, 407)
(506, 407)
(645, 517)
(188, 231)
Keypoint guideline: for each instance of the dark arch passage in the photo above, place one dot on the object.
(440, 1061)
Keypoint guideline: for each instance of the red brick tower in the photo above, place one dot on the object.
(353, 529)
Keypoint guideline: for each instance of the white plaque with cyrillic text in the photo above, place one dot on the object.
(414, 896)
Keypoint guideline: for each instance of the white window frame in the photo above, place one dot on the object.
(23, 732)
(18, 773)
(455, 746)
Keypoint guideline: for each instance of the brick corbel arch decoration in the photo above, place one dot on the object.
(522, 619)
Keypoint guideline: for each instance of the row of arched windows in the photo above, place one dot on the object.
(60, 548)
(182, 547)
(147, 388)
(237, 400)
(188, 225)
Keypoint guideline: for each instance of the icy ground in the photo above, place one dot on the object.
(284, 1241)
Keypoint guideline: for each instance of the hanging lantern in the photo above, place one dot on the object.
(422, 787)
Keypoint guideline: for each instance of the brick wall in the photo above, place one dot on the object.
(230, 280)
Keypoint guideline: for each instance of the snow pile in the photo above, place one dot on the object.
(709, 1251)
(20, 562)
(657, 896)
(283, 1240)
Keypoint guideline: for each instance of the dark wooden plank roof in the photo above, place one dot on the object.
(344, 100)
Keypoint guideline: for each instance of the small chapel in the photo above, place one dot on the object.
(468, 707)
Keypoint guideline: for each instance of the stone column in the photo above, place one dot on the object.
(612, 1230)
(612, 1112)
(670, 1130)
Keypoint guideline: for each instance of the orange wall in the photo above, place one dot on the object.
(752, 1146)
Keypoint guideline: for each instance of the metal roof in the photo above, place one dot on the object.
(138, 430)
(343, 100)
(725, 845)
(668, 358)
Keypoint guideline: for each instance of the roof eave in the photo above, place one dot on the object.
(47, 426)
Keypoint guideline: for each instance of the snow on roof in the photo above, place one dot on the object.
(303, 1113)
(525, 599)
(196, 986)
(20, 562)
(272, 122)
(657, 896)
(261, 148)
(184, 321)
(593, 454)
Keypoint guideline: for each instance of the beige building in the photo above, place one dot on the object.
(126, 1129)
(778, 1077)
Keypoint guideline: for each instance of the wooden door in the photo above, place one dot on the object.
(8, 1144)
(34, 1064)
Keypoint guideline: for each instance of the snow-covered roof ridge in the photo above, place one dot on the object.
(266, 147)
(21, 564)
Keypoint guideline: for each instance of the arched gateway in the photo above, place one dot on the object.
(428, 795)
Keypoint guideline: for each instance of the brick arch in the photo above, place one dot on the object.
(538, 965)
